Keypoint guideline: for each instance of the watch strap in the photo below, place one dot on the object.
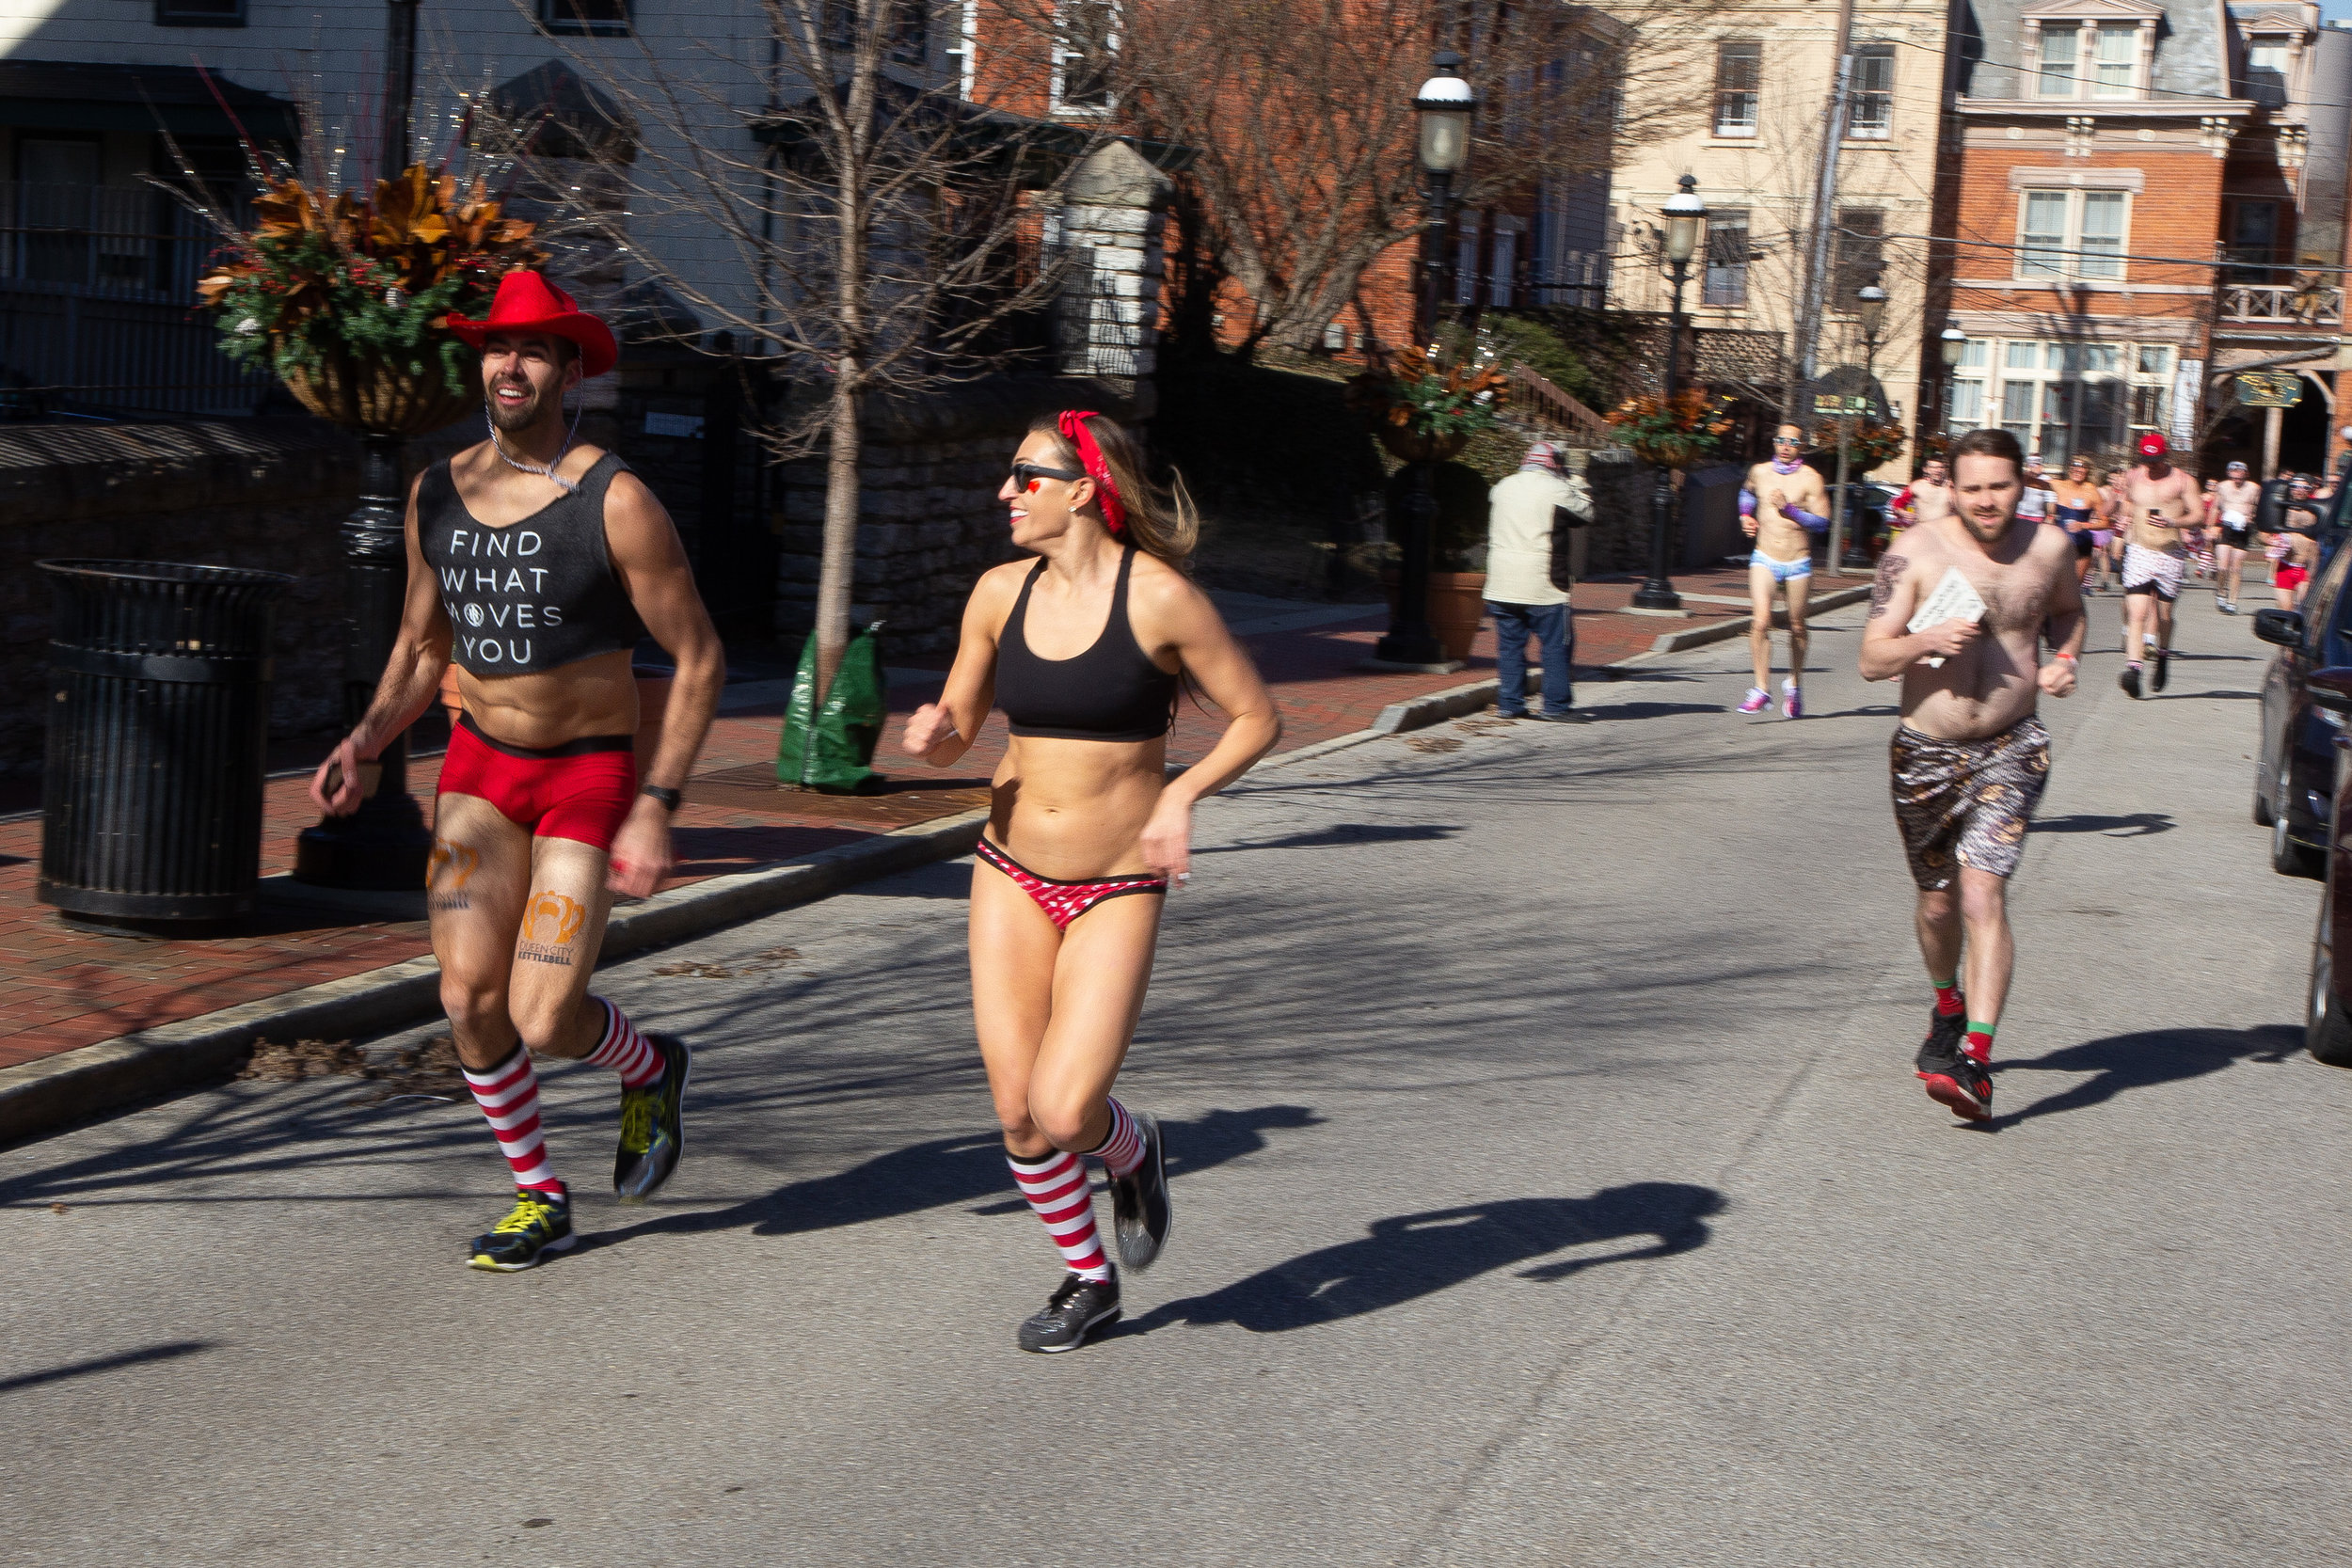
(670, 799)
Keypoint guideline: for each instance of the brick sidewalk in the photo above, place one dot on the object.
(64, 986)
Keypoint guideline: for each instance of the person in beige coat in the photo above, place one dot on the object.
(1523, 593)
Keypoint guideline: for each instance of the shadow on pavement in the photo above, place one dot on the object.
(1874, 711)
(2140, 824)
(1411, 1256)
(1654, 710)
(944, 1171)
(2200, 696)
(2143, 1061)
(171, 1350)
(1342, 832)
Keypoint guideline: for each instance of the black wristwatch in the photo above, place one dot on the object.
(669, 799)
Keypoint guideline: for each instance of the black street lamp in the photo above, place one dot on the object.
(1684, 212)
(384, 844)
(1870, 314)
(1445, 104)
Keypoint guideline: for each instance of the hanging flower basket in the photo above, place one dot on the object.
(1674, 435)
(344, 298)
(1423, 410)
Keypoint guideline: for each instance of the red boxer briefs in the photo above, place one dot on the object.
(581, 790)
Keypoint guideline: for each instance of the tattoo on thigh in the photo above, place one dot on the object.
(1891, 570)
(459, 860)
(550, 925)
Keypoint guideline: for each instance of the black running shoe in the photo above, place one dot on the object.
(653, 1124)
(2164, 666)
(540, 1223)
(1076, 1308)
(1943, 1041)
(1139, 1212)
(2129, 679)
(1960, 1085)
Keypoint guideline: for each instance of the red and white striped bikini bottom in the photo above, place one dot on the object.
(1064, 902)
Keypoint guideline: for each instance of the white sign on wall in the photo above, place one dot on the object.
(2189, 380)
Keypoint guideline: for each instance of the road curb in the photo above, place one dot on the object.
(1721, 631)
(46, 1096)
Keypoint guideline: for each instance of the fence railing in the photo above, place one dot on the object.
(1537, 400)
(2284, 305)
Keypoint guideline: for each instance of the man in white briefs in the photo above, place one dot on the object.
(2234, 500)
(1783, 506)
(2159, 501)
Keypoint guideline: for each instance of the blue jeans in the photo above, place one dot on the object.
(1554, 632)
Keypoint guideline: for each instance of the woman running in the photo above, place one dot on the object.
(2108, 541)
(1084, 648)
(2081, 507)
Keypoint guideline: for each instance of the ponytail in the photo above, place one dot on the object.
(1158, 521)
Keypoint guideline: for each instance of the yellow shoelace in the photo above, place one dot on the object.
(527, 1213)
(637, 1108)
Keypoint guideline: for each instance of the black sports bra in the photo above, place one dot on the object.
(1112, 691)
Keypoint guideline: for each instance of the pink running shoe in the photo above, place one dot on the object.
(1791, 701)
(1758, 700)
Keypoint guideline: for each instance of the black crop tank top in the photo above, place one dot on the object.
(1112, 691)
(536, 593)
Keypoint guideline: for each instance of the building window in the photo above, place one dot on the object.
(2266, 62)
(1466, 264)
(2253, 240)
(1726, 282)
(2059, 46)
(2117, 65)
(1859, 251)
(2063, 398)
(199, 13)
(607, 19)
(2072, 234)
(967, 52)
(1739, 82)
(1871, 115)
(1503, 266)
(1086, 44)
(1968, 376)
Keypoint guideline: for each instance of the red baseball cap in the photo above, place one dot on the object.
(2153, 445)
(527, 303)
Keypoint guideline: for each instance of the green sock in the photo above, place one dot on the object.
(1947, 1000)
(1979, 1041)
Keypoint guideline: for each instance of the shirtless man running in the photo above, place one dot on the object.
(1970, 757)
(2235, 503)
(2159, 500)
(1925, 499)
(1783, 506)
(538, 564)
(2082, 506)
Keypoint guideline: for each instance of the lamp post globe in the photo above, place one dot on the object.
(1445, 105)
(1954, 344)
(1870, 307)
(1685, 214)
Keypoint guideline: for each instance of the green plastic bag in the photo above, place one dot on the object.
(832, 756)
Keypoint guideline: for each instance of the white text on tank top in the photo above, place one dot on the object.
(493, 565)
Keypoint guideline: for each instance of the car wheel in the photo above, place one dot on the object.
(2326, 1027)
(2290, 859)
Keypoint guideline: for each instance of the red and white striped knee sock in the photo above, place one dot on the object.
(623, 1050)
(509, 1095)
(1122, 1146)
(1056, 1187)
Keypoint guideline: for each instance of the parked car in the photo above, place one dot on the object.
(2328, 1011)
(2295, 766)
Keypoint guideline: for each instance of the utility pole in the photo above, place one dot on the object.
(1805, 359)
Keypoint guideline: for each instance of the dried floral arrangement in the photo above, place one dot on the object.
(1674, 435)
(1869, 442)
(1423, 406)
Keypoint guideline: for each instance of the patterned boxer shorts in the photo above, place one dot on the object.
(1967, 803)
(2157, 572)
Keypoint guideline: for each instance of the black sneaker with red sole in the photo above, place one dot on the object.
(1945, 1033)
(1957, 1081)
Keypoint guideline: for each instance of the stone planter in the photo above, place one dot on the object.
(1457, 604)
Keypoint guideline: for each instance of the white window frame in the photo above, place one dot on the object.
(1755, 95)
(1056, 103)
(1884, 129)
(2082, 76)
(2070, 252)
(2060, 364)
(966, 51)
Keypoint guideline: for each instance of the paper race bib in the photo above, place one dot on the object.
(1954, 599)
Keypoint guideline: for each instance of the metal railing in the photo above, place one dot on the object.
(2281, 304)
(1538, 399)
(97, 305)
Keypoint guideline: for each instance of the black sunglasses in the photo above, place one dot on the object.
(1023, 474)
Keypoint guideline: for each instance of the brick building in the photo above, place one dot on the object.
(2133, 184)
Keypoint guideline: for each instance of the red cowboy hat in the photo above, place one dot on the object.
(528, 302)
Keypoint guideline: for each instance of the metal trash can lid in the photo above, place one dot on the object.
(93, 571)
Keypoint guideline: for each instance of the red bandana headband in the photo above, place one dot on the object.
(1074, 426)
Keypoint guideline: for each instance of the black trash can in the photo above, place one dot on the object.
(159, 678)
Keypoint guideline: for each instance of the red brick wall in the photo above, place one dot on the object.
(2176, 212)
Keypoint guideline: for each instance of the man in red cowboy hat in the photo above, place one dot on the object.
(2159, 500)
(535, 565)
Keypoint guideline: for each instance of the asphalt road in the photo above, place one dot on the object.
(1551, 1186)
